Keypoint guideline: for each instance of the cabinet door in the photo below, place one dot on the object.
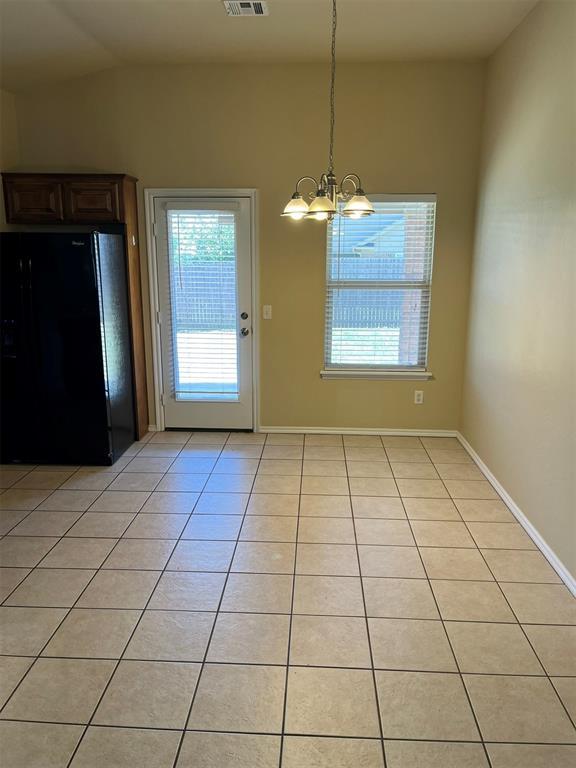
(33, 200)
(92, 201)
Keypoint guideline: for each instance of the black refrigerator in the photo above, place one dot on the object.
(66, 376)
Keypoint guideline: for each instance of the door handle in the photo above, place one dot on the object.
(244, 331)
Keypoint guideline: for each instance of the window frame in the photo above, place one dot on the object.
(398, 372)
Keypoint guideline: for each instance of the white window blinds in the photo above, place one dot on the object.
(378, 286)
(203, 302)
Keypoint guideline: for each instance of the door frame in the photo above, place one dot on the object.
(152, 194)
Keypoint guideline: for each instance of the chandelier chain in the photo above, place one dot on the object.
(330, 197)
(332, 88)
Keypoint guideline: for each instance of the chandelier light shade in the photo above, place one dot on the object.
(358, 205)
(321, 206)
(324, 196)
(296, 207)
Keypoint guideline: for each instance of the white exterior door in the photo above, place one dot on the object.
(203, 252)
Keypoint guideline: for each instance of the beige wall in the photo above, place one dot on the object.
(9, 141)
(404, 127)
(520, 389)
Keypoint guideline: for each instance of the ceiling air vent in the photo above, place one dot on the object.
(246, 7)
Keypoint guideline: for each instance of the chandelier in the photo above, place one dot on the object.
(326, 194)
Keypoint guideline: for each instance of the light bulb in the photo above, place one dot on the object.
(296, 216)
(320, 216)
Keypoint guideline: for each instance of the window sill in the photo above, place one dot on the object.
(359, 373)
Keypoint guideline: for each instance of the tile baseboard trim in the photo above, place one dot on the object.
(360, 431)
(568, 579)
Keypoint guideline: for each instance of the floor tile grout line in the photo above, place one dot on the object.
(499, 583)
(68, 609)
(278, 613)
(285, 573)
(297, 735)
(290, 622)
(234, 663)
(534, 548)
(206, 651)
(253, 572)
(461, 676)
(27, 515)
(519, 623)
(60, 539)
(118, 662)
(529, 641)
(7, 468)
(570, 716)
(84, 512)
(16, 487)
(281, 541)
(368, 636)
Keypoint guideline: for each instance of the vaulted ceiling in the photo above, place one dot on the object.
(47, 40)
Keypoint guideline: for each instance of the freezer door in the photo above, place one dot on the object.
(68, 407)
(15, 365)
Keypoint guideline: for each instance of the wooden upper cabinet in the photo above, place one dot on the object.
(33, 199)
(36, 198)
(93, 201)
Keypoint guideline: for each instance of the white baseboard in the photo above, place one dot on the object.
(359, 431)
(534, 534)
(153, 428)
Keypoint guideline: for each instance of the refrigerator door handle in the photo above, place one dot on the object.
(94, 264)
(105, 369)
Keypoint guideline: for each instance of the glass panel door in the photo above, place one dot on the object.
(204, 307)
(205, 298)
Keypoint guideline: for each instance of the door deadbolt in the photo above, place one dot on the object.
(244, 331)
(244, 315)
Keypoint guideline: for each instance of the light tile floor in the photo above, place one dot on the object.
(256, 601)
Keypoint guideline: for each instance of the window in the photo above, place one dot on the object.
(378, 286)
(202, 267)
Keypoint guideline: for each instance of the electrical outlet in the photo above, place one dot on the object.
(267, 312)
(418, 397)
